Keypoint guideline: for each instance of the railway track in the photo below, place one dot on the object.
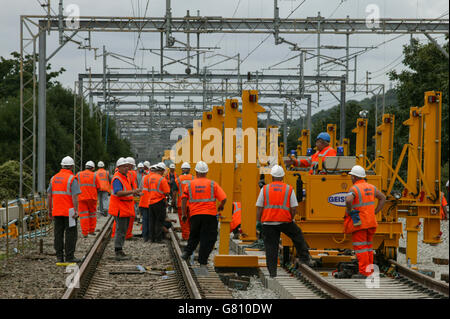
(303, 282)
(169, 276)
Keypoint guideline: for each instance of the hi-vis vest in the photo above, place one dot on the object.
(143, 202)
(182, 180)
(201, 197)
(103, 180)
(88, 186)
(236, 218)
(364, 202)
(314, 159)
(132, 176)
(62, 193)
(277, 202)
(154, 188)
(124, 204)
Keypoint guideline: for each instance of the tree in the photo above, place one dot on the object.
(427, 70)
(60, 128)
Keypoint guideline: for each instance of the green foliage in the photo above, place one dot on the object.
(60, 128)
(427, 70)
(9, 180)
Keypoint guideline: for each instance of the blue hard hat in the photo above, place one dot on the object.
(324, 136)
(293, 152)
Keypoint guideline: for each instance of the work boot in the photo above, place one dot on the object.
(185, 256)
(308, 262)
(359, 276)
(60, 259)
(120, 255)
(73, 260)
(345, 274)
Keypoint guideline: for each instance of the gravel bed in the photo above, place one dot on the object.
(426, 252)
(34, 275)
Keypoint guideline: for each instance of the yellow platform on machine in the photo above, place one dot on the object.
(334, 260)
(236, 261)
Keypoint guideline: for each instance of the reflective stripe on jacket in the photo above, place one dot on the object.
(182, 180)
(158, 188)
(364, 202)
(236, 218)
(62, 193)
(143, 202)
(103, 180)
(123, 204)
(88, 185)
(202, 194)
(277, 202)
(314, 159)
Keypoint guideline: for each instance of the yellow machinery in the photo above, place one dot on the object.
(320, 213)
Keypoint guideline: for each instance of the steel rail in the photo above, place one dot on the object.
(186, 273)
(329, 288)
(421, 278)
(90, 261)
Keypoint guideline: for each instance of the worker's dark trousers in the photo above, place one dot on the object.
(157, 214)
(121, 231)
(271, 236)
(61, 225)
(145, 222)
(203, 231)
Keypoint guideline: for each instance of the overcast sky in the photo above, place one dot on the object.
(75, 61)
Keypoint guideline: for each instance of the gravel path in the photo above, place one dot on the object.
(35, 275)
(426, 253)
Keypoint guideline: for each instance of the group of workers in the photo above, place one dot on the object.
(195, 201)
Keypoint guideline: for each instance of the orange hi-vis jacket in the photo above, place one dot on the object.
(158, 188)
(62, 193)
(277, 202)
(132, 176)
(143, 202)
(181, 184)
(123, 204)
(444, 203)
(88, 185)
(364, 202)
(103, 180)
(314, 159)
(236, 218)
(202, 194)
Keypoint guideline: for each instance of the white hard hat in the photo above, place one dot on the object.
(121, 161)
(147, 164)
(446, 185)
(67, 161)
(358, 171)
(100, 164)
(140, 165)
(277, 171)
(161, 165)
(201, 167)
(90, 164)
(131, 161)
(185, 165)
(172, 166)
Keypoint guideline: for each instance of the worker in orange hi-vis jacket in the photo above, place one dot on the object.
(360, 219)
(104, 189)
(181, 181)
(323, 150)
(202, 194)
(63, 208)
(444, 207)
(132, 179)
(236, 217)
(159, 190)
(89, 184)
(144, 203)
